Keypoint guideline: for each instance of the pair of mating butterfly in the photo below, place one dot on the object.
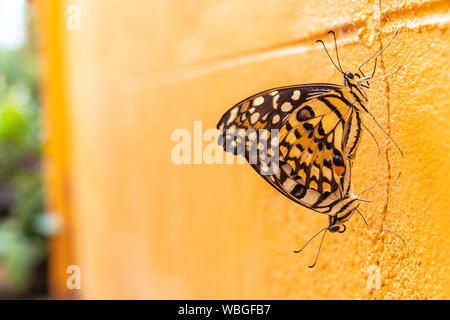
(316, 128)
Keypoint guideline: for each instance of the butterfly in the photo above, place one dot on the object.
(310, 133)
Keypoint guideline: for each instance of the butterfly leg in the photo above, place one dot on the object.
(379, 229)
(380, 194)
(369, 188)
(298, 251)
(318, 252)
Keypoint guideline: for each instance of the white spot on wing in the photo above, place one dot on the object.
(275, 101)
(258, 101)
(254, 117)
(275, 119)
(233, 114)
(286, 107)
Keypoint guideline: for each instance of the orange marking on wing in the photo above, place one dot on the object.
(292, 164)
(313, 185)
(339, 171)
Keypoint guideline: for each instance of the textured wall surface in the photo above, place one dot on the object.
(140, 226)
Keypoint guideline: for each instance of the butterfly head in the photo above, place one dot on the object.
(344, 213)
(356, 84)
(351, 78)
(356, 79)
(337, 228)
(336, 224)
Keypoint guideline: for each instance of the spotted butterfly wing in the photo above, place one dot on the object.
(268, 108)
(316, 129)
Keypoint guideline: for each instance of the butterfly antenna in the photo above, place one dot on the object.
(374, 139)
(298, 251)
(379, 229)
(320, 246)
(364, 78)
(374, 68)
(381, 78)
(328, 54)
(387, 135)
(381, 193)
(336, 48)
(369, 188)
(375, 55)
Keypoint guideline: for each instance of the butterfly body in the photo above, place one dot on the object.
(318, 129)
(314, 131)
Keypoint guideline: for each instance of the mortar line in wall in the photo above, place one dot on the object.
(134, 83)
(388, 115)
(306, 41)
(421, 11)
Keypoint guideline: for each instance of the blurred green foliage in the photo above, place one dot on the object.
(23, 245)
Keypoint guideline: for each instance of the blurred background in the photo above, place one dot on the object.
(92, 204)
(23, 222)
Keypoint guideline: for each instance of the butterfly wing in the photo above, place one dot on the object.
(311, 143)
(311, 122)
(270, 107)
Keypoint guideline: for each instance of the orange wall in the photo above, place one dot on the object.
(140, 226)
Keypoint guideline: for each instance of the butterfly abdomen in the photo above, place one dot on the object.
(352, 134)
(350, 102)
(343, 209)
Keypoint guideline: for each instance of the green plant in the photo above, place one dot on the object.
(22, 219)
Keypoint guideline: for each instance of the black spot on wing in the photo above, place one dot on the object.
(337, 158)
(305, 113)
(308, 126)
(299, 191)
